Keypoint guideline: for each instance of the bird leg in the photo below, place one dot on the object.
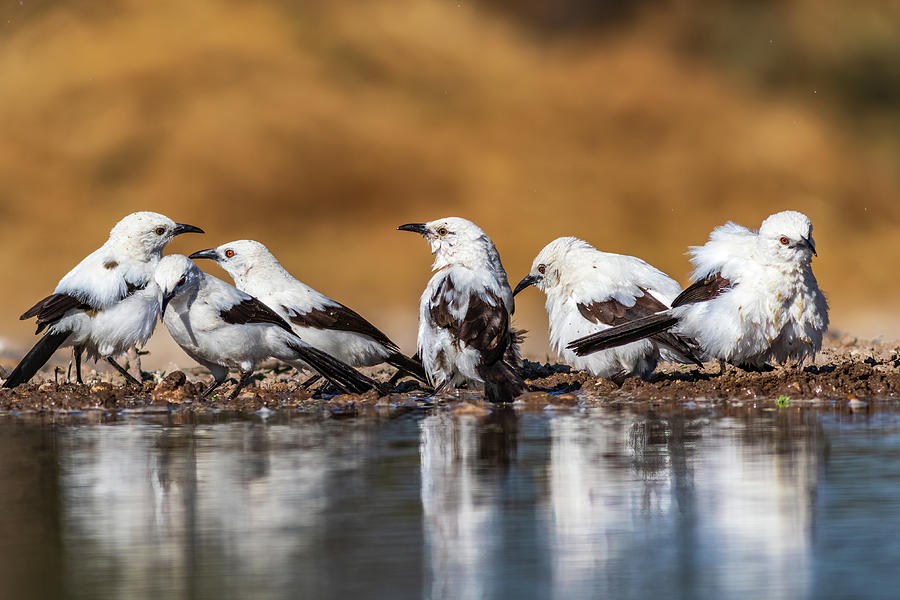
(245, 377)
(128, 377)
(309, 382)
(76, 352)
(619, 378)
(212, 386)
(721, 367)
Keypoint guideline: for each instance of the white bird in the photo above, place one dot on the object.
(465, 335)
(221, 327)
(316, 319)
(107, 303)
(754, 298)
(589, 290)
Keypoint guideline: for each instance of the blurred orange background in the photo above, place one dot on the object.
(318, 127)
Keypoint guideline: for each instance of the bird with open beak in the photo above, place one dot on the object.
(465, 336)
(754, 299)
(589, 291)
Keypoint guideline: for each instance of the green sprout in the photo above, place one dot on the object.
(783, 401)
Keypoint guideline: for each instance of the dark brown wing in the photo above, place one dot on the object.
(485, 326)
(613, 312)
(339, 318)
(52, 308)
(252, 310)
(703, 289)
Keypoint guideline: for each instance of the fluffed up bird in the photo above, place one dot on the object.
(221, 327)
(589, 291)
(317, 319)
(106, 304)
(465, 336)
(754, 298)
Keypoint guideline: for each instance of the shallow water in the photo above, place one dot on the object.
(606, 502)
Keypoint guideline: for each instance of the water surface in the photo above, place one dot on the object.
(604, 502)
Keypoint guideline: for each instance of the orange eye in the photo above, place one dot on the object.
(229, 253)
(442, 231)
(180, 282)
(160, 230)
(541, 269)
(784, 241)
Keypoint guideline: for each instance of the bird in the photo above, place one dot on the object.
(316, 319)
(222, 327)
(107, 304)
(589, 290)
(753, 300)
(465, 336)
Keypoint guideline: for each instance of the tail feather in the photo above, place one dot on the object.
(685, 348)
(502, 382)
(623, 334)
(36, 358)
(408, 365)
(337, 372)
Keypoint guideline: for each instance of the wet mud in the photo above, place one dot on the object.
(847, 375)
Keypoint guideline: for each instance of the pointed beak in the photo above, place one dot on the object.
(414, 227)
(526, 281)
(167, 297)
(182, 228)
(812, 245)
(209, 253)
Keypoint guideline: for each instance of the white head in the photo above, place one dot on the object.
(457, 241)
(788, 236)
(175, 275)
(240, 257)
(551, 263)
(144, 234)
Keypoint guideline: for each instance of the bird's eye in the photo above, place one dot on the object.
(180, 282)
(229, 253)
(542, 269)
(784, 241)
(160, 230)
(442, 231)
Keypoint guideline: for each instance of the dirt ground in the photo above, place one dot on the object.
(849, 374)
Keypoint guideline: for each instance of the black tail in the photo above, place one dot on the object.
(408, 365)
(684, 347)
(623, 334)
(502, 383)
(36, 358)
(337, 372)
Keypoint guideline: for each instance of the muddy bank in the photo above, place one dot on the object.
(848, 374)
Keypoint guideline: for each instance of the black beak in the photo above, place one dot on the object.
(165, 302)
(812, 245)
(526, 281)
(210, 253)
(182, 228)
(414, 227)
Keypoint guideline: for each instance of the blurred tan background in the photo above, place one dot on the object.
(317, 127)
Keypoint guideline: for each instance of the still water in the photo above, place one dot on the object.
(599, 503)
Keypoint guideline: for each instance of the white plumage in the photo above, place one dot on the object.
(223, 328)
(106, 304)
(754, 298)
(589, 291)
(465, 337)
(317, 319)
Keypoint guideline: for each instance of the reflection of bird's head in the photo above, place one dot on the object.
(788, 235)
(455, 240)
(145, 234)
(175, 274)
